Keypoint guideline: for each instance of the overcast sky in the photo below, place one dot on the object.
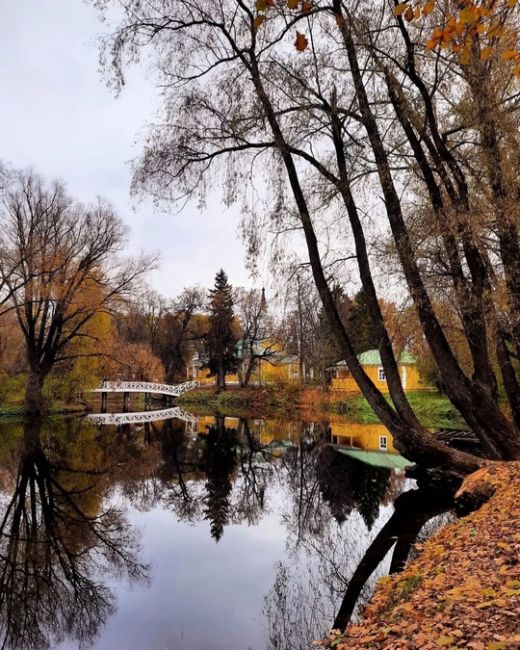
(58, 116)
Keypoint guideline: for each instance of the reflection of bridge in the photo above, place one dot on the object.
(143, 416)
(146, 387)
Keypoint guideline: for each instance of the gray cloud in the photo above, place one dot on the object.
(58, 116)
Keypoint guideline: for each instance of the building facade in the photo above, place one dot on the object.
(341, 378)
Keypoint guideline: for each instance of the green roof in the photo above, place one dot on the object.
(373, 358)
(376, 458)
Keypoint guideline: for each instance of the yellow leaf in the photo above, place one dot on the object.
(301, 43)
(464, 57)
(444, 641)
(261, 5)
(292, 4)
(511, 4)
(486, 53)
(400, 8)
(469, 14)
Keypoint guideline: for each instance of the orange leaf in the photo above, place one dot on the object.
(301, 43)
(510, 54)
(486, 53)
(292, 4)
(409, 14)
(306, 7)
(400, 8)
(258, 21)
(428, 7)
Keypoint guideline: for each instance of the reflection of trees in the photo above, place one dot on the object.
(325, 489)
(220, 462)
(301, 605)
(306, 517)
(54, 545)
(256, 468)
(317, 474)
(348, 484)
(412, 510)
(180, 463)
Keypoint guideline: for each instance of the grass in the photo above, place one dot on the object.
(16, 411)
(274, 399)
(433, 409)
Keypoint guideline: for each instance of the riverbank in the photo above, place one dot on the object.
(463, 589)
(433, 409)
(16, 411)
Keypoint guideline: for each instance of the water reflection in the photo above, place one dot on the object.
(270, 500)
(55, 542)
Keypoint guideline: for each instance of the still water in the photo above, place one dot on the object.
(184, 534)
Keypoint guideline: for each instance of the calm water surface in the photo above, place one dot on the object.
(210, 533)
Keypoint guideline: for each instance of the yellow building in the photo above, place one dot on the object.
(196, 372)
(276, 367)
(369, 437)
(342, 379)
(280, 368)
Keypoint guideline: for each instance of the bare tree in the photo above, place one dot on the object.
(154, 306)
(259, 341)
(360, 114)
(59, 266)
(182, 326)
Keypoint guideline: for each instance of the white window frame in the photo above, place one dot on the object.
(381, 374)
(383, 443)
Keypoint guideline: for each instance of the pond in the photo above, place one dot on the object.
(197, 533)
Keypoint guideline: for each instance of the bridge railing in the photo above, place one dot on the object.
(143, 416)
(145, 387)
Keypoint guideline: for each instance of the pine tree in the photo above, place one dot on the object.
(221, 339)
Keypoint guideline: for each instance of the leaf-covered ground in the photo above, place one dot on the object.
(462, 591)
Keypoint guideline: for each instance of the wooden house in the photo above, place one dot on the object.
(341, 378)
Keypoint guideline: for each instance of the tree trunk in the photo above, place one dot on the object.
(412, 440)
(35, 403)
(221, 375)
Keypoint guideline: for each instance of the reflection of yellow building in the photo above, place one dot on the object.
(369, 437)
(341, 377)
(265, 431)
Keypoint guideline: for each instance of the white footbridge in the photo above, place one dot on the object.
(145, 387)
(148, 388)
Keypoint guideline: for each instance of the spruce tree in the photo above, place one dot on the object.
(221, 338)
